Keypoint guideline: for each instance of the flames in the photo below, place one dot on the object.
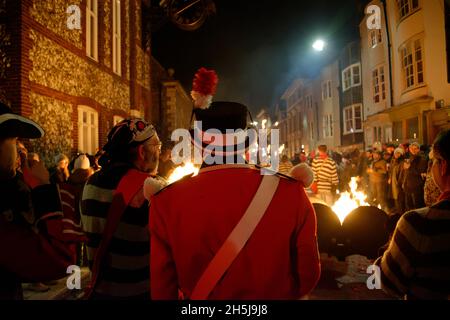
(349, 201)
(182, 171)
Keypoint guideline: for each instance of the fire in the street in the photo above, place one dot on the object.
(349, 201)
(183, 171)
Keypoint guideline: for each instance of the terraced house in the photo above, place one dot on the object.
(77, 81)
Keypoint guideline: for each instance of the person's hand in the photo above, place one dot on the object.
(34, 172)
(389, 181)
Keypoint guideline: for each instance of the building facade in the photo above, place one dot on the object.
(419, 34)
(351, 97)
(310, 118)
(328, 112)
(171, 103)
(77, 67)
(280, 116)
(293, 99)
(376, 80)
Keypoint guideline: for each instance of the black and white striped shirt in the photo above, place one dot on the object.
(125, 273)
(417, 263)
(325, 173)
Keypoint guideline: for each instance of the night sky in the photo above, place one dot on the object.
(258, 47)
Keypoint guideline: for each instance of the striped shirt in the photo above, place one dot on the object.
(416, 264)
(325, 173)
(285, 167)
(125, 273)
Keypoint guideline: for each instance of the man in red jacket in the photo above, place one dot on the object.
(35, 241)
(191, 219)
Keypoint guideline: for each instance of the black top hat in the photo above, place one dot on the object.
(13, 125)
(223, 116)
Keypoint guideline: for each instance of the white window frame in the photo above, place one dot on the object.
(92, 29)
(327, 125)
(117, 38)
(379, 84)
(412, 60)
(405, 8)
(349, 76)
(375, 38)
(352, 120)
(92, 138)
(326, 90)
(377, 134)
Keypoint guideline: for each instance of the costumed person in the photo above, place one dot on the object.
(114, 212)
(36, 239)
(325, 174)
(73, 190)
(220, 235)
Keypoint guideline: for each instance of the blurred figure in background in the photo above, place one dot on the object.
(285, 165)
(325, 175)
(296, 160)
(431, 191)
(346, 171)
(395, 181)
(416, 263)
(378, 182)
(413, 183)
(81, 172)
(60, 173)
(364, 163)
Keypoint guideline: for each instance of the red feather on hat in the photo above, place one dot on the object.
(205, 82)
(203, 88)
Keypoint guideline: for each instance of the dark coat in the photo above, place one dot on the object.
(413, 181)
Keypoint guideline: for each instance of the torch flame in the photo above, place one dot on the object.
(182, 171)
(349, 201)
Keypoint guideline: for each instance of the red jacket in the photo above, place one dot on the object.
(33, 253)
(190, 220)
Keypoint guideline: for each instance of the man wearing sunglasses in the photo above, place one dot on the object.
(114, 213)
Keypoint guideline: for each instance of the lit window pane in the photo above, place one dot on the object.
(85, 138)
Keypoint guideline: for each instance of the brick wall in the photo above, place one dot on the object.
(10, 81)
(67, 76)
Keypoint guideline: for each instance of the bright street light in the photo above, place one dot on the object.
(319, 45)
